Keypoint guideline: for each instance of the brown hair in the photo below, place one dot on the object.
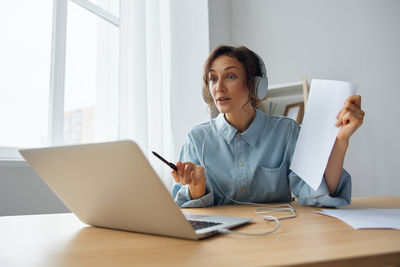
(251, 64)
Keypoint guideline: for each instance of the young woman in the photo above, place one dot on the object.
(244, 154)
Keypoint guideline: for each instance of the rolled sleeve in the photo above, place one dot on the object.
(180, 192)
(321, 197)
(182, 197)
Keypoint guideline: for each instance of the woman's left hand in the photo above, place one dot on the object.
(350, 117)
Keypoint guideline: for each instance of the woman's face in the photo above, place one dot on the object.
(227, 84)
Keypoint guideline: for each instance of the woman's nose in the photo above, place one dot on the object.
(220, 86)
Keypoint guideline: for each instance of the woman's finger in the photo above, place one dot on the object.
(351, 122)
(175, 175)
(352, 119)
(340, 116)
(193, 178)
(353, 108)
(354, 111)
(179, 166)
(346, 118)
(187, 171)
(355, 99)
(349, 107)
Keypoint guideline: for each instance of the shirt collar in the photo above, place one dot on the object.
(227, 131)
(250, 136)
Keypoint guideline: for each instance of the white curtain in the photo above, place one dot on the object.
(145, 112)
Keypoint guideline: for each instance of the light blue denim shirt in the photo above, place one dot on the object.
(252, 165)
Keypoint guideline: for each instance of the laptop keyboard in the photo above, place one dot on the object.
(202, 224)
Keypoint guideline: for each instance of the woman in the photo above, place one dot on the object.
(244, 154)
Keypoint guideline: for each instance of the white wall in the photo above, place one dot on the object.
(219, 15)
(351, 40)
(22, 191)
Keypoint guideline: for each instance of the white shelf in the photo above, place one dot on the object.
(285, 89)
(279, 96)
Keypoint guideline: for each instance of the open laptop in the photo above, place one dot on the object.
(112, 185)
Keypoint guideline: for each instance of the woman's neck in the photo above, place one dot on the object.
(242, 118)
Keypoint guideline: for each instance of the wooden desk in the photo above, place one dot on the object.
(310, 240)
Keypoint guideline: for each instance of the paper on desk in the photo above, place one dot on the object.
(318, 131)
(367, 218)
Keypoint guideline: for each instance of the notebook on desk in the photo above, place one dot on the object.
(112, 185)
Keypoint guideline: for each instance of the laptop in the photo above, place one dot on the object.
(112, 185)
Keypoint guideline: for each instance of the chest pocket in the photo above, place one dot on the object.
(270, 184)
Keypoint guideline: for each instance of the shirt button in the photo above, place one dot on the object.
(241, 163)
(239, 136)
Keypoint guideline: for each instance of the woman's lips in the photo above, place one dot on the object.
(223, 100)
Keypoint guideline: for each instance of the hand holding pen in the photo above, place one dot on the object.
(188, 173)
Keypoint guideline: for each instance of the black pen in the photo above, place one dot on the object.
(171, 165)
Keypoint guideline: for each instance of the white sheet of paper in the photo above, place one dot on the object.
(367, 218)
(318, 131)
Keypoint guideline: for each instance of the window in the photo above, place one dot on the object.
(59, 82)
(25, 72)
(91, 78)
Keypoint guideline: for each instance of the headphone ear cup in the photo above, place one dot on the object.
(261, 86)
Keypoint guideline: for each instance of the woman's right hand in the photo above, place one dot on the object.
(193, 175)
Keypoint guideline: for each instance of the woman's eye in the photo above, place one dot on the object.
(212, 79)
(231, 76)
